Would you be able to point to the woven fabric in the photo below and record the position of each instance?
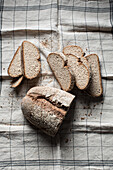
(84, 141)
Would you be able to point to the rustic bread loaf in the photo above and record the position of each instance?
(46, 107)
(56, 62)
(95, 88)
(80, 71)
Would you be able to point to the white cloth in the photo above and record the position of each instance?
(85, 139)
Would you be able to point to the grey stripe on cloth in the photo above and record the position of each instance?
(111, 13)
(55, 5)
(57, 162)
(1, 9)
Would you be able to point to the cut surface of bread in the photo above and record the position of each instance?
(73, 49)
(46, 107)
(80, 71)
(78, 52)
(16, 66)
(17, 83)
(95, 88)
(60, 71)
(31, 61)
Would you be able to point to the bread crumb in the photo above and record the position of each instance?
(82, 118)
(90, 114)
(86, 107)
(45, 43)
(10, 95)
(66, 141)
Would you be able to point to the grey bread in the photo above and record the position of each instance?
(79, 70)
(95, 88)
(78, 52)
(17, 83)
(15, 68)
(56, 62)
(31, 61)
(46, 107)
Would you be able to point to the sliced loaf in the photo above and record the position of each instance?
(46, 107)
(80, 71)
(31, 61)
(95, 88)
(78, 52)
(61, 72)
(16, 66)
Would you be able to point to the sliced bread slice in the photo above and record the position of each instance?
(17, 83)
(31, 61)
(61, 72)
(95, 88)
(46, 107)
(73, 49)
(78, 52)
(15, 68)
(80, 71)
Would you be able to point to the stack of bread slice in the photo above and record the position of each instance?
(83, 70)
(25, 63)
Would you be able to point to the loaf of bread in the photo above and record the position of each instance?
(46, 107)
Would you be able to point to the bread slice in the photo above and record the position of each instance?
(61, 72)
(31, 61)
(78, 52)
(16, 66)
(95, 88)
(17, 83)
(80, 71)
(46, 107)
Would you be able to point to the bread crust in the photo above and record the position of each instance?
(66, 67)
(12, 62)
(99, 76)
(24, 60)
(18, 82)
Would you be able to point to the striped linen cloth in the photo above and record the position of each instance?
(85, 140)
